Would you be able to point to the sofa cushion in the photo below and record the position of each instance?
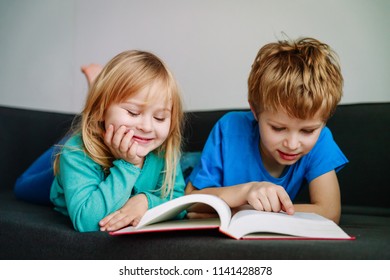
(29, 231)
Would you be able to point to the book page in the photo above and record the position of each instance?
(185, 224)
(171, 209)
(301, 224)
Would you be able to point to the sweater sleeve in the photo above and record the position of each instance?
(89, 195)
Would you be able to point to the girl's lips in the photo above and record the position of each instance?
(288, 157)
(141, 140)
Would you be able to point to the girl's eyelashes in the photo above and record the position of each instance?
(159, 119)
(133, 114)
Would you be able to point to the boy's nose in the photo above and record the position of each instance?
(291, 142)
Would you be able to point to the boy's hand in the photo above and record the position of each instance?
(201, 215)
(121, 145)
(130, 214)
(265, 196)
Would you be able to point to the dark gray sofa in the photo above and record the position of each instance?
(29, 231)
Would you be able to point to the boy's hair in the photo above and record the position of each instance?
(302, 77)
(124, 75)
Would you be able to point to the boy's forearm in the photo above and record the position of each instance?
(324, 197)
(234, 196)
(332, 213)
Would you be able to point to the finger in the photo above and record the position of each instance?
(274, 201)
(106, 219)
(286, 203)
(116, 219)
(266, 204)
(132, 153)
(198, 215)
(103, 223)
(254, 200)
(118, 136)
(125, 221)
(108, 135)
(125, 143)
(136, 221)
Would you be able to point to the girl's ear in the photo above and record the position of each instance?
(253, 112)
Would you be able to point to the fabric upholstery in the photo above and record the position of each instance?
(29, 231)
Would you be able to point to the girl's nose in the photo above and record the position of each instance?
(145, 124)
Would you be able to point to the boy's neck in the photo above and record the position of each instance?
(274, 168)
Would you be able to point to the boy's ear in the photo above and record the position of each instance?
(253, 112)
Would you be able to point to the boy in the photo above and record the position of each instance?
(264, 157)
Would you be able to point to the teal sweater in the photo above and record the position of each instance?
(83, 191)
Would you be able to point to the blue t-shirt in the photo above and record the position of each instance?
(231, 156)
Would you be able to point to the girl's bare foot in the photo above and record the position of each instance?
(91, 71)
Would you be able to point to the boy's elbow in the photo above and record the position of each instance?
(334, 215)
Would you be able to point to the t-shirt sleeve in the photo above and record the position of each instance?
(209, 170)
(325, 156)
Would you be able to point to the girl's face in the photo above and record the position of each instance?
(147, 113)
(284, 139)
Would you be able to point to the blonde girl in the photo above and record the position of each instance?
(123, 155)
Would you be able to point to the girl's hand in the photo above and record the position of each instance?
(130, 214)
(121, 145)
(265, 196)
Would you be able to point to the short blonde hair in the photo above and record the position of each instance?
(302, 77)
(124, 75)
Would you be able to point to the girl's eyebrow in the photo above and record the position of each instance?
(141, 105)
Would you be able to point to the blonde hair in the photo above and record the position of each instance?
(124, 75)
(302, 77)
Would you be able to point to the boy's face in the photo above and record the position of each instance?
(284, 139)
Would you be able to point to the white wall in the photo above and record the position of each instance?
(208, 44)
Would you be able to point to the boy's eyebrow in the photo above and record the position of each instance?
(310, 126)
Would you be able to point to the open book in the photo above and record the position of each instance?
(245, 224)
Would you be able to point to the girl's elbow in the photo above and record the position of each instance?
(85, 224)
(85, 227)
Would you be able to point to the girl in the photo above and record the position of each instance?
(123, 155)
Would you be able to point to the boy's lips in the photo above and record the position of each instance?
(287, 156)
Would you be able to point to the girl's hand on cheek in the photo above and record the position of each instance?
(121, 145)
